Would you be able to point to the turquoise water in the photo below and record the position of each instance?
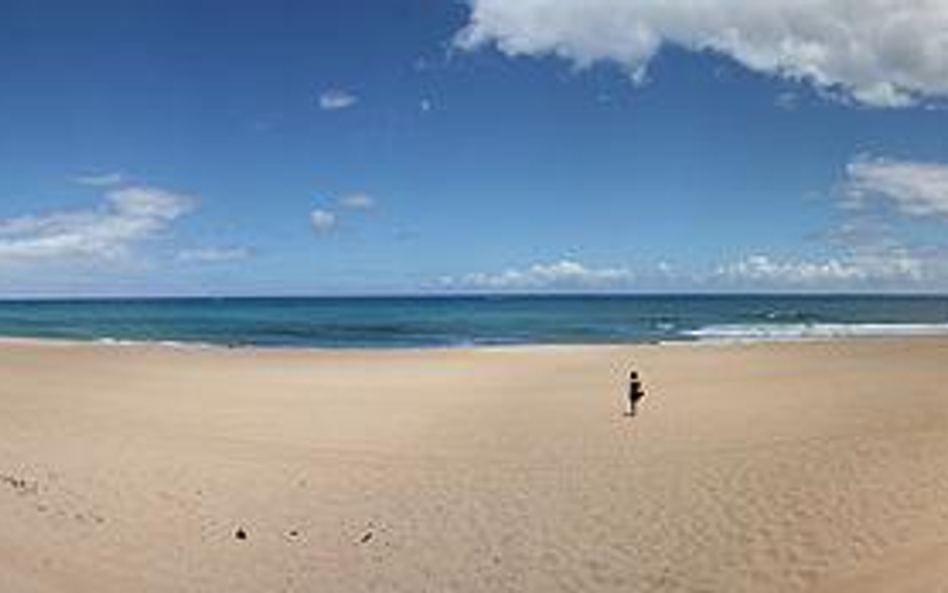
(452, 321)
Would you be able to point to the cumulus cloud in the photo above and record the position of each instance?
(100, 179)
(213, 255)
(848, 271)
(914, 188)
(883, 53)
(335, 99)
(870, 246)
(893, 267)
(126, 217)
(322, 221)
(358, 201)
(561, 275)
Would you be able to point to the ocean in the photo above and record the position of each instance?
(399, 322)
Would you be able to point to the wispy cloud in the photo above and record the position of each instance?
(357, 201)
(335, 99)
(914, 188)
(882, 53)
(213, 255)
(100, 179)
(126, 217)
(559, 275)
(787, 100)
(322, 221)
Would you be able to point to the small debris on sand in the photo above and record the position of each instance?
(240, 533)
(19, 485)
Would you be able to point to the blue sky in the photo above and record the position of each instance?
(164, 147)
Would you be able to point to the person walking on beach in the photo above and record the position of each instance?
(636, 392)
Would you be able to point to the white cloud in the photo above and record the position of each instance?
(561, 275)
(126, 217)
(358, 201)
(895, 267)
(100, 179)
(787, 100)
(870, 248)
(884, 53)
(915, 188)
(213, 255)
(335, 99)
(322, 221)
(762, 271)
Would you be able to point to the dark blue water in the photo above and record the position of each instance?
(452, 321)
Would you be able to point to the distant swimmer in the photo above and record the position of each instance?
(636, 392)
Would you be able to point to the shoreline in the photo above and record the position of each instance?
(173, 345)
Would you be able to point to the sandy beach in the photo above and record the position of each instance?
(771, 467)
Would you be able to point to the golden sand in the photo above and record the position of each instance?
(782, 467)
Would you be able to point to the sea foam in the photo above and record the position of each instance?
(804, 331)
